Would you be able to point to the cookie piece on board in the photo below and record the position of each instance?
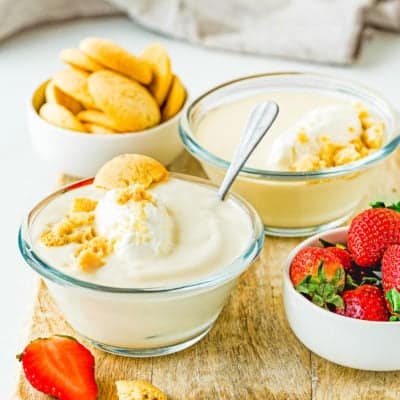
(78, 59)
(55, 95)
(60, 116)
(75, 83)
(94, 128)
(175, 100)
(124, 100)
(138, 390)
(128, 169)
(111, 55)
(158, 58)
(98, 118)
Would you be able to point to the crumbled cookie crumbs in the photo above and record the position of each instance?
(140, 226)
(77, 227)
(98, 245)
(373, 136)
(307, 163)
(346, 155)
(89, 261)
(302, 137)
(137, 193)
(332, 155)
(82, 204)
(51, 239)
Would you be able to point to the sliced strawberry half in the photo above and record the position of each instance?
(61, 367)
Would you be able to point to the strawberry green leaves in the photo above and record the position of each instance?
(393, 297)
(381, 204)
(320, 290)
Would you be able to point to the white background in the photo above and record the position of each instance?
(31, 57)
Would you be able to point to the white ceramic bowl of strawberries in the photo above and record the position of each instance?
(365, 336)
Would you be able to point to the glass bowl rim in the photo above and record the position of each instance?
(227, 273)
(204, 155)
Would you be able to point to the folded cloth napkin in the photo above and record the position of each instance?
(316, 30)
(385, 14)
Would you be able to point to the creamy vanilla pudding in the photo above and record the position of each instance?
(141, 262)
(313, 131)
(310, 171)
(192, 234)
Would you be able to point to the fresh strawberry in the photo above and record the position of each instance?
(391, 277)
(371, 233)
(355, 276)
(365, 302)
(340, 251)
(60, 367)
(343, 255)
(318, 274)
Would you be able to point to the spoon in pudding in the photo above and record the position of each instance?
(260, 120)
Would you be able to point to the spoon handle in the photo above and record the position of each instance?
(260, 120)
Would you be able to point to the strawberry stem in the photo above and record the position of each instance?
(381, 204)
(351, 282)
(322, 291)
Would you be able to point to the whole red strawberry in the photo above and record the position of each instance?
(307, 261)
(60, 367)
(370, 234)
(319, 274)
(391, 277)
(343, 255)
(365, 302)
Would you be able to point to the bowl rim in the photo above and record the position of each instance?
(203, 155)
(107, 136)
(225, 274)
(313, 308)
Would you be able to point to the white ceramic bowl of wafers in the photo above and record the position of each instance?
(81, 154)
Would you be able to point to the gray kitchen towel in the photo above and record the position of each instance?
(317, 30)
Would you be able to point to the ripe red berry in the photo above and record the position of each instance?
(60, 367)
(343, 255)
(371, 233)
(307, 261)
(391, 277)
(365, 302)
(318, 274)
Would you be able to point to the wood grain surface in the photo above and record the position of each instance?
(251, 352)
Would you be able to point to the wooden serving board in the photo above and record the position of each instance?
(251, 352)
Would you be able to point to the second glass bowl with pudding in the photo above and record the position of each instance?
(315, 165)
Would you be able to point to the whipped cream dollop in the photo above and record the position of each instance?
(326, 137)
(137, 222)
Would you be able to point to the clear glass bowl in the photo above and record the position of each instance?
(141, 322)
(294, 203)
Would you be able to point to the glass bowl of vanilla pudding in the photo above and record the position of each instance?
(141, 263)
(313, 167)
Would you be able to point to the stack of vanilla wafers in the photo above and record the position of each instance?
(106, 89)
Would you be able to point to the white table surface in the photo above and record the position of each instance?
(31, 57)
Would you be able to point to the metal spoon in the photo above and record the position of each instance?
(260, 120)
